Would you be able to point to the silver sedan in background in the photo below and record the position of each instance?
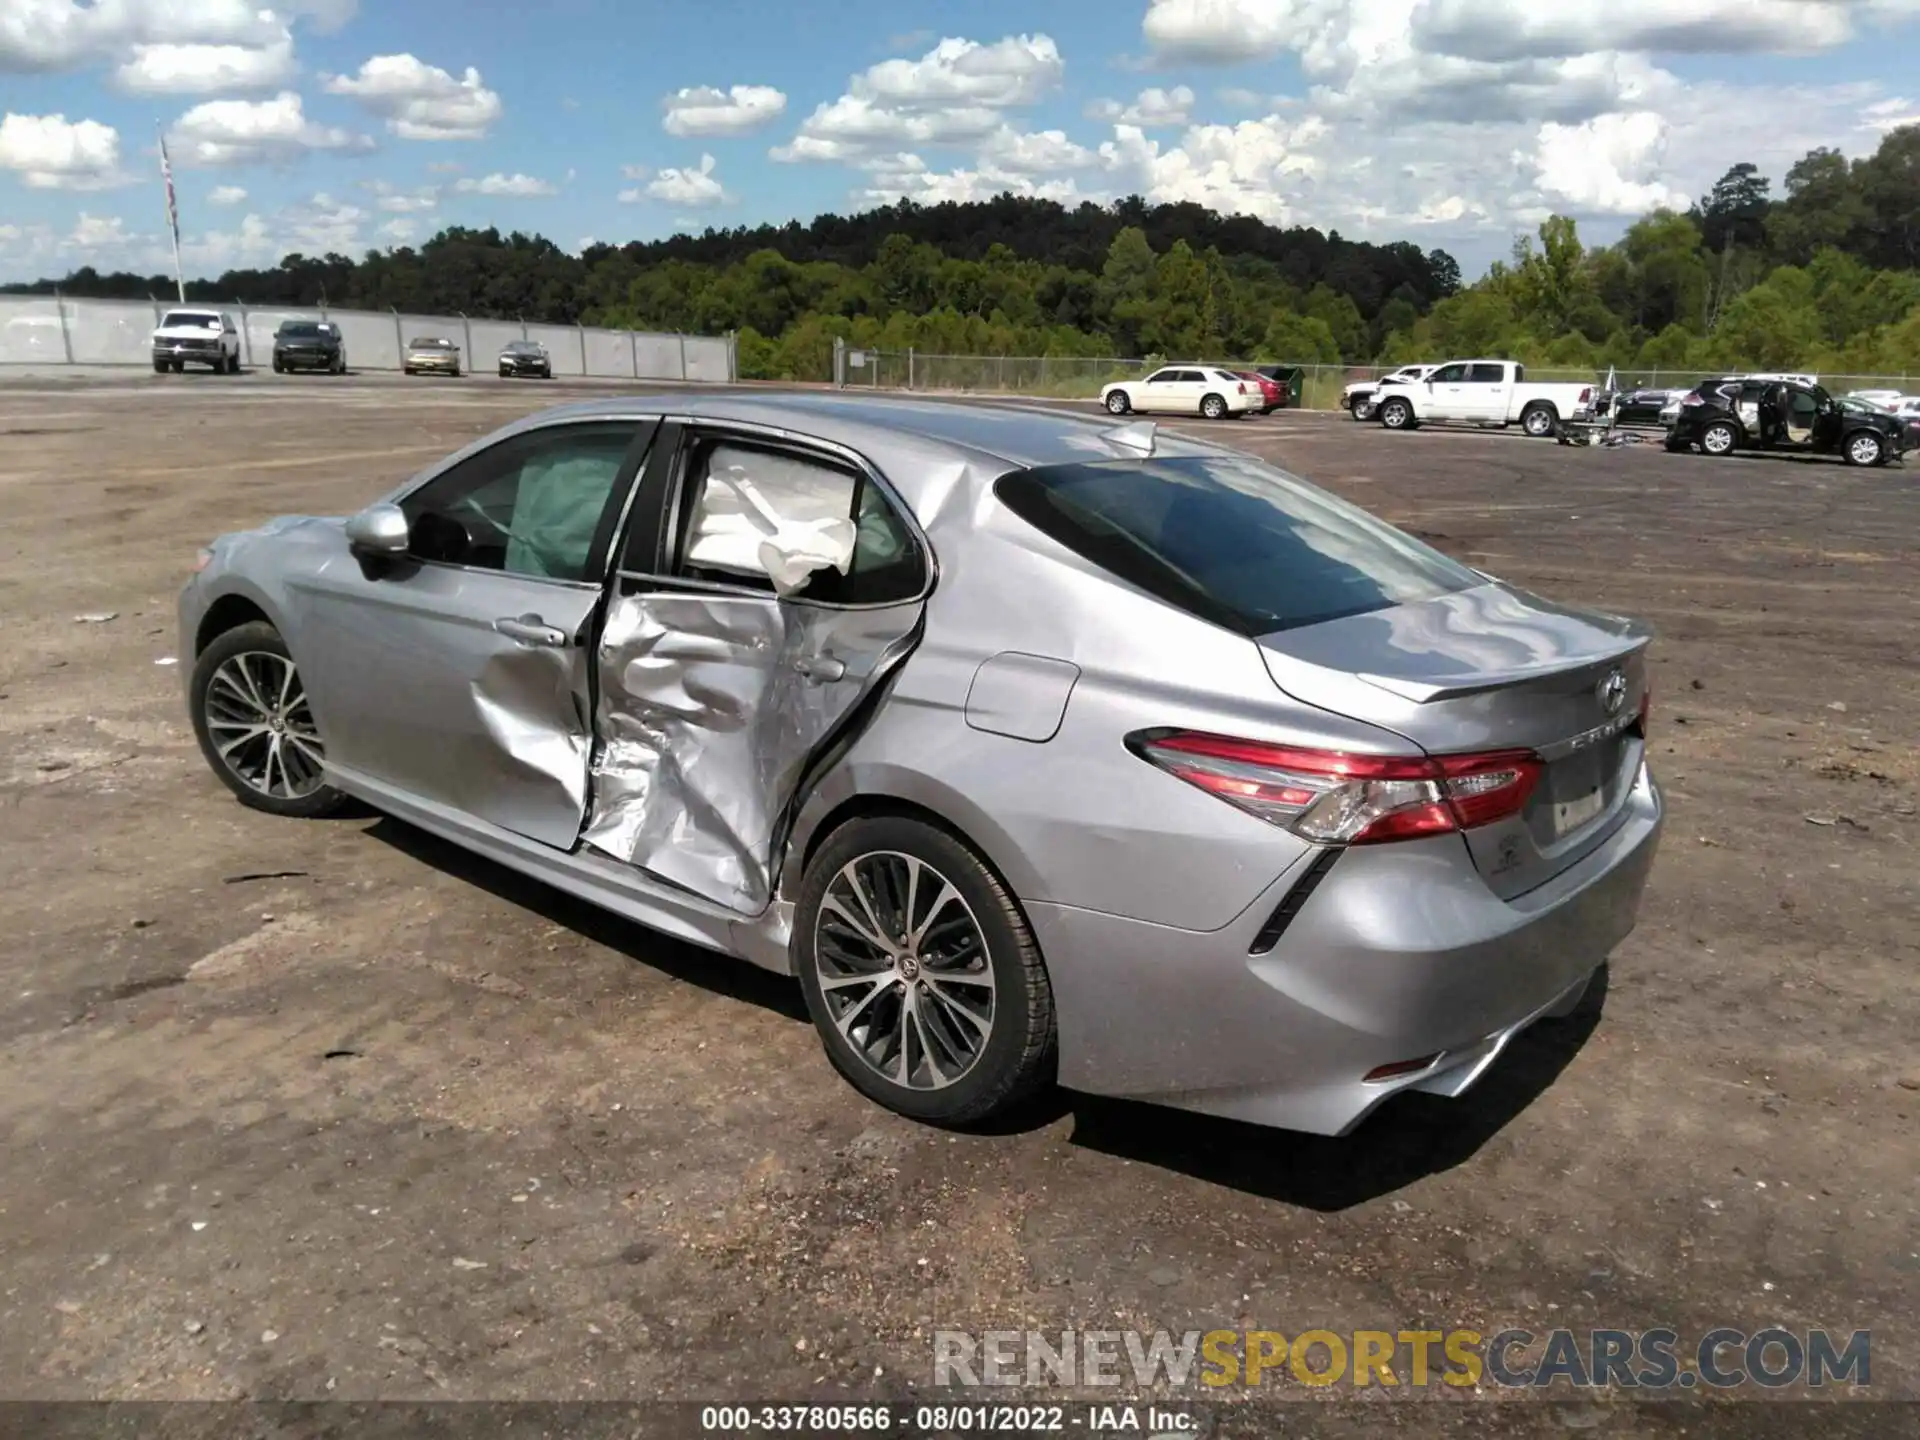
(1034, 746)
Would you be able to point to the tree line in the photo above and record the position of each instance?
(1821, 276)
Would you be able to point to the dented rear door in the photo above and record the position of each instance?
(719, 688)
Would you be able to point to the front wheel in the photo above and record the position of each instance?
(255, 727)
(1362, 407)
(1538, 421)
(1118, 404)
(1214, 407)
(921, 974)
(1866, 448)
(1397, 414)
(1719, 439)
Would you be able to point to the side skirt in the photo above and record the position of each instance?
(625, 891)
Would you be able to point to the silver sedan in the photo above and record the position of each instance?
(1034, 746)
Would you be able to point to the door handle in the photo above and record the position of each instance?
(822, 669)
(531, 630)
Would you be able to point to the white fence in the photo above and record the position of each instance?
(43, 330)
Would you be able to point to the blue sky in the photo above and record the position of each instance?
(331, 124)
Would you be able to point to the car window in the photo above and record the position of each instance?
(1451, 374)
(538, 504)
(1163, 377)
(723, 536)
(1487, 374)
(1230, 540)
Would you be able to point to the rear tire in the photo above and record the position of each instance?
(973, 969)
(1538, 420)
(1118, 404)
(1397, 414)
(255, 654)
(1214, 407)
(159, 367)
(1361, 407)
(1719, 439)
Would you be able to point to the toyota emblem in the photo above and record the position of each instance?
(1612, 692)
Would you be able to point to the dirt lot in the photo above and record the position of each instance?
(330, 1110)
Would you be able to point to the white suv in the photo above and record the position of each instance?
(196, 337)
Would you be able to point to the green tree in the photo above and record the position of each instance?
(1300, 340)
(1342, 319)
(1823, 208)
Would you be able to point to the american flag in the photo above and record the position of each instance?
(166, 173)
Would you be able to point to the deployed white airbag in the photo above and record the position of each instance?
(737, 528)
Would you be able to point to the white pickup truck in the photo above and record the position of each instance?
(196, 337)
(1358, 398)
(1482, 392)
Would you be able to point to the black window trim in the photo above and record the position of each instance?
(689, 432)
(599, 560)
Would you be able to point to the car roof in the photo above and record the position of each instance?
(881, 427)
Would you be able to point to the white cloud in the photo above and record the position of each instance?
(421, 101)
(97, 232)
(517, 185)
(738, 110)
(207, 69)
(395, 201)
(955, 94)
(636, 172)
(1152, 109)
(246, 132)
(1606, 166)
(1223, 31)
(695, 187)
(48, 153)
(398, 231)
(1523, 29)
(1244, 169)
(892, 178)
(226, 195)
(1036, 152)
(164, 46)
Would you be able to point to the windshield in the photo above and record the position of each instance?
(523, 347)
(189, 318)
(433, 345)
(1231, 540)
(301, 330)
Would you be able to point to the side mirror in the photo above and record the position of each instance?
(379, 530)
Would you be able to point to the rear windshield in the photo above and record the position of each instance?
(189, 317)
(1230, 540)
(433, 345)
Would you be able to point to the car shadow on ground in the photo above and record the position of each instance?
(1408, 1138)
(721, 974)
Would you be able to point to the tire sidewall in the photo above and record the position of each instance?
(980, 1091)
(1388, 410)
(1879, 449)
(1118, 404)
(1214, 408)
(1537, 421)
(1719, 428)
(253, 637)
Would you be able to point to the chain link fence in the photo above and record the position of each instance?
(52, 330)
(1074, 377)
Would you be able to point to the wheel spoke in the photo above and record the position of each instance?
(903, 970)
(272, 746)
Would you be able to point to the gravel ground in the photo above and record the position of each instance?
(331, 1110)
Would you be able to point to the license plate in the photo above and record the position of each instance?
(1570, 815)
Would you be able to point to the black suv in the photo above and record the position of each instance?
(1736, 413)
(309, 345)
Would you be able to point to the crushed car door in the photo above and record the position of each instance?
(781, 585)
(458, 675)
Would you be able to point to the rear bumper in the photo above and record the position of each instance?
(1399, 952)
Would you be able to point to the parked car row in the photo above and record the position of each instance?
(1217, 392)
(195, 336)
(1477, 392)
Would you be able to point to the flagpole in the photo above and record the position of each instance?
(173, 215)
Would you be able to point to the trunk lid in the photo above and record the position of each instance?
(1493, 668)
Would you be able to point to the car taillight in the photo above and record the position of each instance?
(1243, 387)
(1586, 395)
(1692, 400)
(202, 558)
(1334, 798)
(1646, 708)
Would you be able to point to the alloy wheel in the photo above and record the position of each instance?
(904, 971)
(261, 726)
(1864, 450)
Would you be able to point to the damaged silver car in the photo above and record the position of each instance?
(1033, 746)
